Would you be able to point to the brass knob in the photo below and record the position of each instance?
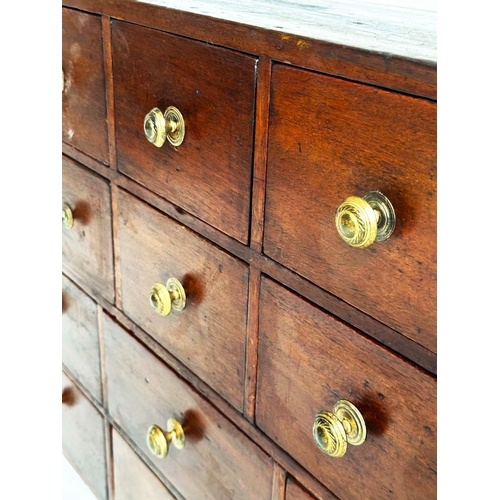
(159, 441)
(159, 126)
(164, 298)
(67, 216)
(333, 430)
(361, 221)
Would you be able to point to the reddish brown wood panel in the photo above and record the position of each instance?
(330, 139)
(399, 73)
(295, 492)
(209, 335)
(84, 124)
(218, 461)
(209, 174)
(307, 362)
(86, 247)
(133, 479)
(83, 438)
(80, 337)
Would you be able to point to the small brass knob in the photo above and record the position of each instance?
(159, 441)
(361, 221)
(164, 298)
(159, 126)
(67, 216)
(333, 430)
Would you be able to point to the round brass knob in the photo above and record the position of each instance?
(333, 430)
(164, 298)
(361, 221)
(67, 216)
(159, 441)
(160, 126)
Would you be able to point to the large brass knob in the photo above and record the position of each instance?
(160, 126)
(361, 221)
(333, 430)
(159, 440)
(67, 216)
(164, 298)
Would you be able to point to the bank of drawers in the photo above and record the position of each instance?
(328, 139)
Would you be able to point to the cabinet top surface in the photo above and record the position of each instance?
(397, 30)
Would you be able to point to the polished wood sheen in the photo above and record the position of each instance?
(80, 337)
(83, 438)
(84, 123)
(86, 248)
(307, 362)
(209, 174)
(218, 461)
(330, 139)
(133, 479)
(295, 492)
(208, 336)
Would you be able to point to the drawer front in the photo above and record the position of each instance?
(208, 336)
(80, 338)
(295, 492)
(133, 480)
(328, 140)
(83, 438)
(209, 174)
(86, 246)
(307, 362)
(218, 462)
(84, 123)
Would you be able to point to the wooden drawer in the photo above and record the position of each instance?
(133, 479)
(84, 123)
(307, 362)
(295, 492)
(208, 336)
(83, 438)
(218, 462)
(330, 139)
(86, 247)
(80, 338)
(209, 174)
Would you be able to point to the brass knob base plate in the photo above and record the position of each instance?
(175, 288)
(174, 118)
(353, 422)
(387, 216)
(177, 432)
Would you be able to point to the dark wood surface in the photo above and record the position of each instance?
(208, 336)
(84, 123)
(80, 337)
(209, 174)
(330, 139)
(395, 72)
(83, 437)
(133, 479)
(295, 492)
(217, 462)
(86, 247)
(307, 362)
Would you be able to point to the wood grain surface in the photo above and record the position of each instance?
(295, 492)
(209, 335)
(209, 174)
(84, 124)
(86, 247)
(80, 337)
(402, 73)
(218, 461)
(307, 362)
(330, 139)
(83, 438)
(133, 479)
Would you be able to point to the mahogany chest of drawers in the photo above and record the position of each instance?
(249, 252)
